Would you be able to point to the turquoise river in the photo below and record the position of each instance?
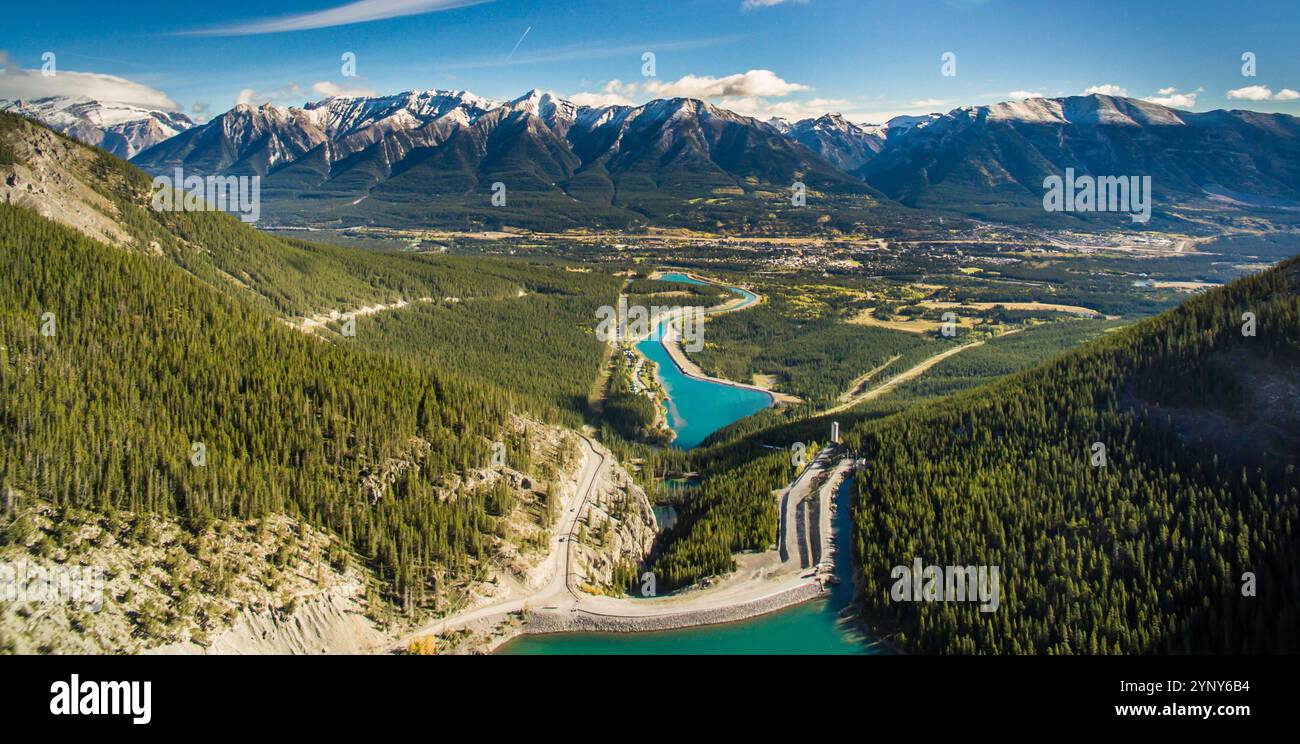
(696, 409)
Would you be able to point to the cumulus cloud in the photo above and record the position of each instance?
(289, 94)
(760, 83)
(794, 110)
(1172, 98)
(17, 82)
(1251, 93)
(757, 93)
(1262, 93)
(1022, 94)
(360, 11)
(1106, 89)
(334, 90)
(746, 95)
(612, 93)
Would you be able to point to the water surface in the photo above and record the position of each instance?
(810, 628)
(699, 408)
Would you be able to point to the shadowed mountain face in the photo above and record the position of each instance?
(847, 145)
(990, 158)
(431, 155)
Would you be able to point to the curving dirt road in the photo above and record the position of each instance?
(764, 581)
(557, 564)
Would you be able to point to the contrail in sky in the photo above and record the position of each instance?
(517, 43)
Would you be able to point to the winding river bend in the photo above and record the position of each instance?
(696, 409)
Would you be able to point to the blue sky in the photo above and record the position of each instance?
(868, 59)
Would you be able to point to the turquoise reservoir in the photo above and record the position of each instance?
(810, 628)
(699, 408)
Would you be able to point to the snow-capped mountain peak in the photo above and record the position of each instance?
(557, 113)
(120, 128)
(847, 145)
(342, 116)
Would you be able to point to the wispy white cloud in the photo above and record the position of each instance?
(17, 82)
(578, 52)
(360, 11)
(748, 5)
(1018, 95)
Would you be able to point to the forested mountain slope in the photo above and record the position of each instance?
(144, 362)
(107, 198)
(454, 301)
(1147, 553)
(151, 373)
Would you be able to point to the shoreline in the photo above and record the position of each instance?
(793, 587)
(692, 370)
(556, 622)
(762, 583)
(687, 367)
(549, 622)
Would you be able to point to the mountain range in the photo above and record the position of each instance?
(989, 158)
(172, 325)
(426, 155)
(432, 157)
(121, 128)
(846, 145)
